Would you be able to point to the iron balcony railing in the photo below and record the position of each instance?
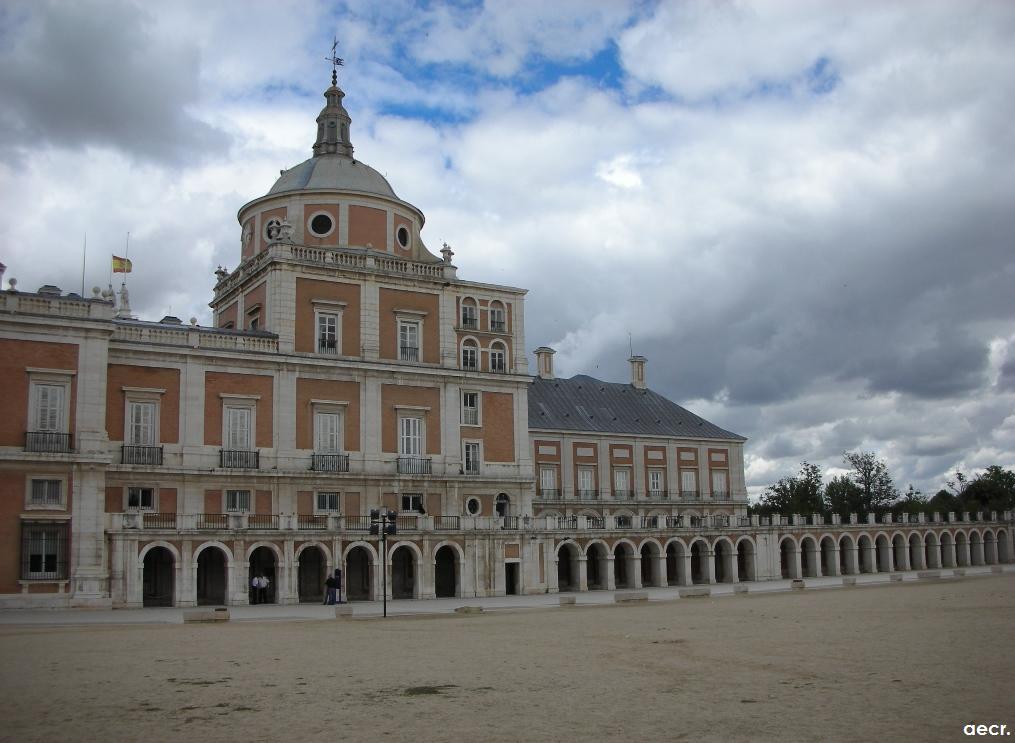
(147, 455)
(567, 522)
(470, 363)
(47, 441)
(471, 468)
(356, 523)
(510, 522)
(415, 466)
(213, 521)
(408, 353)
(623, 522)
(623, 494)
(650, 522)
(596, 522)
(550, 492)
(657, 494)
(588, 494)
(158, 520)
(498, 367)
(470, 416)
(308, 521)
(692, 495)
(407, 523)
(327, 346)
(240, 459)
(329, 463)
(497, 326)
(720, 495)
(262, 520)
(446, 522)
(470, 323)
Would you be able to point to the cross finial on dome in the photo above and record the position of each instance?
(335, 60)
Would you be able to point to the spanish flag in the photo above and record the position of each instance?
(120, 265)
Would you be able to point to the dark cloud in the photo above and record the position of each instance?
(84, 74)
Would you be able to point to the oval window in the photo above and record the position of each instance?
(402, 234)
(321, 224)
(472, 506)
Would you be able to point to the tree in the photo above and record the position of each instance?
(944, 502)
(992, 490)
(800, 494)
(872, 477)
(843, 496)
(913, 501)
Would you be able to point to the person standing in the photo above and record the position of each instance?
(329, 595)
(264, 589)
(255, 587)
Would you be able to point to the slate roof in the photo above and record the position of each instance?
(584, 403)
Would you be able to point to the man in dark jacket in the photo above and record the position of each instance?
(329, 596)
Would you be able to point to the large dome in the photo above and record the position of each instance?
(333, 173)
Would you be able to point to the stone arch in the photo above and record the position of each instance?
(449, 564)
(404, 564)
(360, 561)
(700, 567)
(568, 555)
(916, 551)
(847, 555)
(723, 559)
(624, 567)
(213, 562)
(883, 547)
(900, 548)
(866, 559)
(810, 557)
(961, 549)
(829, 560)
(653, 572)
(947, 550)
(597, 566)
(931, 551)
(313, 565)
(788, 557)
(975, 547)
(159, 570)
(265, 559)
(676, 571)
(746, 553)
(1003, 548)
(989, 547)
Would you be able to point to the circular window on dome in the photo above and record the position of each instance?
(321, 224)
(472, 506)
(402, 235)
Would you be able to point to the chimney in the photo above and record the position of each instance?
(638, 371)
(544, 362)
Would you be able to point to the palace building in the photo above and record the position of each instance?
(349, 368)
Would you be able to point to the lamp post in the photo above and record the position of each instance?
(383, 523)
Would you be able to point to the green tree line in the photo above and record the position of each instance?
(869, 488)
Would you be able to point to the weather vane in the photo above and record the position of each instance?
(336, 62)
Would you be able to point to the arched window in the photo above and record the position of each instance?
(498, 357)
(470, 315)
(470, 354)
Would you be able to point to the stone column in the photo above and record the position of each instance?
(796, 564)
(684, 576)
(659, 570)
(583, 573)
(734, 567)
(611, 579)
(851, 560)
(710, 565)
(836, 570)
(634, 570)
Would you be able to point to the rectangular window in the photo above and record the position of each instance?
(327, 432)
(471, 458)
(586, 482)
(497, 319)
(655, 481)
(410, 437)
(238, 428)
(141, 499)
(470, 357)
(327, 333)
(498, 361)
(141, 422)
(622, 480)
(408, 340)
(327, 502)
(688, 481)
(46, 493)
(237, 500)
(470, 408)
(43, 551)
(412, 502)
(469, 317)
(720, 482)
(49, 407)
(548, 479)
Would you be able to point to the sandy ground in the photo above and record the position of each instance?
(915, 661)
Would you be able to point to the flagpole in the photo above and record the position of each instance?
(126, 258)
(84, 254)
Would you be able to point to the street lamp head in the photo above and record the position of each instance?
(375, 513)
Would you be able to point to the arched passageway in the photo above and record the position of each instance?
(865, 557)
(623, 572)
(847, 556)
(596, 566)
(313, 571)
(211, 577)
(358, 574)
(915, 552)
(675, 564)
(931, 552)
(567, 568)
(884, 553)
(810, 560)
(975, 549)
(651, 574)
(947, 550)
(1003, 555)
(158, 577)
(901, 550)
(699, 562)
(723, 556)
(787, 558)
(989, 549)
(262, 565)
(446, 572)
(961, 550)
(829, 560)
(403, 573)
(745, 560)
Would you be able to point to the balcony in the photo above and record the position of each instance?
(239, 459)
(497, 366)
(408, 353)
(447, 522)
(690, 495)
(497, 326)
(623, 494)
(415, 466)
(145, 455)
(212, 521)
(469, 363)
(720, 495)
(657, 494)
(588, 495)
(158, 520)
(470, 323)
(262, 521)
(471, 468)
(356, 523)
(595, 522)
(327, 346)
(329, 462)
(311, 521)
(47, 441)
(550, 493)
(470, 417)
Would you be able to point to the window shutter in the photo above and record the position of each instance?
(49, 411)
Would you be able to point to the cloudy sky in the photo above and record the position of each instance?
(802, 213)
